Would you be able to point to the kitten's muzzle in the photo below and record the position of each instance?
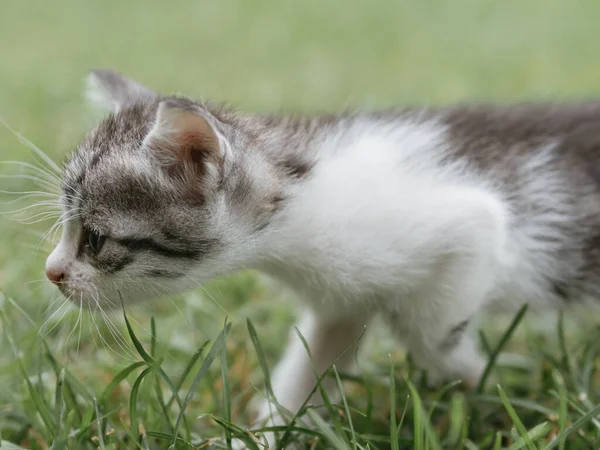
(57, 265)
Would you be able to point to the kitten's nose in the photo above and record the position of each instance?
(56, 276)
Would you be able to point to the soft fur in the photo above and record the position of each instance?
(428, 217)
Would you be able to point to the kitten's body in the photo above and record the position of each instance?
(428, 217)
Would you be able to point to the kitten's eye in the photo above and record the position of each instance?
(95, 242)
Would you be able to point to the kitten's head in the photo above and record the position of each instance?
(153, 198)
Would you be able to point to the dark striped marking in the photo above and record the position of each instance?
(161, 273)
(148, 244)
(454, 335)
(116, 265)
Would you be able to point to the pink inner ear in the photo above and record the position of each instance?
(198, 146)
(186, 138)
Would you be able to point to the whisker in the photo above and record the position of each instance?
(40, 280)
(129, 353)
(16, 218)
(60, 296)
(32, 146)
(116, 334)
(56, 226)
(119, 339)
(66, 302)
(39, 167)
(74, 328)
(30, 196)
(49, 176)
(40, 204)
(80, 325)
(212, 298)
(185, 319)
(102, 340)
(53, 188)
(30, 221)
(45, 193)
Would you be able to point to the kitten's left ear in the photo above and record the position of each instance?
(186, 143)
(111, 90)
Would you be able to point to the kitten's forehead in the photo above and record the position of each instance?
(109, 170)
(121, 132)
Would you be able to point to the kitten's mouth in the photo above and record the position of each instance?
(73, 295)
(78, 298)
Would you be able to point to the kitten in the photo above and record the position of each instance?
(427, 217)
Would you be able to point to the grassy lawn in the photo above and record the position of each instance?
(79, 382)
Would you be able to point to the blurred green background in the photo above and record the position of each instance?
(308, 55)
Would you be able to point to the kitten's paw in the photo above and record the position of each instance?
(260, 441)
(237, 444)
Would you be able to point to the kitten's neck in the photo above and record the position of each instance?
(274, 158)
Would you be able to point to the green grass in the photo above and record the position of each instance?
(185, 379)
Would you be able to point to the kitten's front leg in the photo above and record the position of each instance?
(330, 341)
(435, 321)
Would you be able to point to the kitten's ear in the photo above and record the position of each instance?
(111, 90)
(186, 143)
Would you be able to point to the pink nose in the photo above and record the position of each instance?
(56, 276)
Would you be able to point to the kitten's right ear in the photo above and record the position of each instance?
(111, 90)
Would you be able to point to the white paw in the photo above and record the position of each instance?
(262, 441)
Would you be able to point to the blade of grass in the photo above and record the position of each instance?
(161, 402)
(403, 416)
(498, 441)
(418, 433)
(136, 343)
(438, 396)
(264, 368)
(294, 429)
(70, 384)
(422, 426)
(152, 337)
(579, 423)
(261, 357)
(210, 357)
(236, 431)
(286, 435)
(346, 408)
(42, 407)
(187, 370)
(563, 412)
(133, 400)
(457, 419)
(149, 360)
(503, 341)
(225, 383)
(328, 405)
(168, 437)
(58, 401)
(99, 425)
(393, 428)
(157, 390)
(327, 432)
(117, 379)
(575, 404)
(534, 434)
(516, 419)
(521, 403)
